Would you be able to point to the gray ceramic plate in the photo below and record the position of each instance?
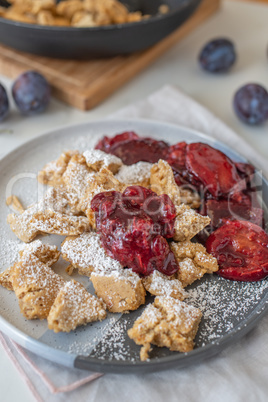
(230, 309)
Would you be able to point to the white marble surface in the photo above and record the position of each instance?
(245, 23)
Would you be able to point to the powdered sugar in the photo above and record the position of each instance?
(8, 251)
(58, 200)
(182, 314)
(188, 267)
(94, 156)
(54, 167)
(77, 175)
(33, 269)
(77, 299)
(189, 271)
(86, 250)
(126, 275)
(37, 247)
(134, 173)
(54, 222)
(151, 316)
(224, 304)
(114, 345)
(159, 284)
(91, 335)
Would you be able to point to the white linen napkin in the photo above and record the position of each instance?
(239, 373)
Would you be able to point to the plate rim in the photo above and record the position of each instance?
(90, 363)
(147, 121)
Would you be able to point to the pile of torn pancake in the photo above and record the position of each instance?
(73, 180)
(74, 13)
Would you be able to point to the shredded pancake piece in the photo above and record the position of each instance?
(188, 223)
(86, 253)
(103, 181)
(75, 13)
(159, 284)
(35, 284)
(121, 289)
(163, 182)
(33, 222)
(167, 323)
(55, 214)
(97, 159)
(5, 279)
(85, 182)
(73, 307)
(52, 172)
(79, 180)
(60, 200)
(136, 174)
(193, 260)
(45, 253)
(14, 203)
(76, 174)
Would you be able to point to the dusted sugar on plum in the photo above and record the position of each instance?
(134, 226)
(241, 249)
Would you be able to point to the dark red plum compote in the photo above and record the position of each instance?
(134, 227)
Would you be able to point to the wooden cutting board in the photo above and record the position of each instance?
(84, 84)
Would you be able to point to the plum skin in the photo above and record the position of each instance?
(4, 103)
(217, 56)
(31, 92)
(251, 104)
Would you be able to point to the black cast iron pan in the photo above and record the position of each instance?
(111, 40)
